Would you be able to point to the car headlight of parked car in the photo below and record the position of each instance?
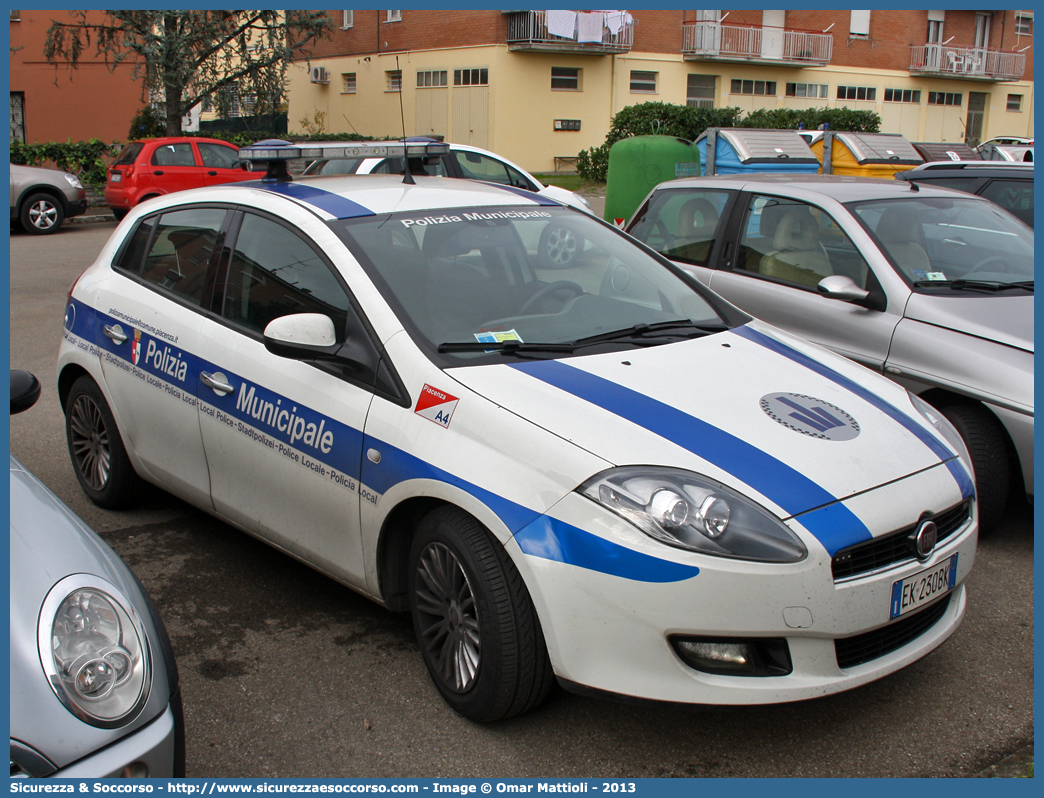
(944, 428)
(693, 512)
(94, 651)
(73, 181)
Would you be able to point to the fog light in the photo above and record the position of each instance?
(735, 656)
(738, 657)
(135, 770)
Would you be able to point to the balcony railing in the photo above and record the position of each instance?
(968, 63)
(712, 40)
(527, 30)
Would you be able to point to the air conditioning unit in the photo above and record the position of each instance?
(320, 75)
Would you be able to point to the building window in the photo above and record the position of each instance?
(944, 98)
(394, 80)
(859, 23)
(902, 96)
(16, 16)
(347, 19)
(1023, 23)
(1014, 102)
(807, 89)
(753, 87)
(470, 77)
(347, 83)
(432, 77)
(394, 16)
(643, 82)
(565, 78)
(856, 93)
(700, 92)
(18, 116)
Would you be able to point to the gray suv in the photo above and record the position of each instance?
(41, 199)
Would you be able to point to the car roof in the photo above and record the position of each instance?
(349, 196)
(843, 188)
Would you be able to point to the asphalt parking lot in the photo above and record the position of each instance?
(286, 673)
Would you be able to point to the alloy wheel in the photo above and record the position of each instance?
(89, 440)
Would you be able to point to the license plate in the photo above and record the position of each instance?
(921, 588)
(115, 177)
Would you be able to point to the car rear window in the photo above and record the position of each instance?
(128, 154)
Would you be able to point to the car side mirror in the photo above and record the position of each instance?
(25, 390)
(302, 336)
(840, 286)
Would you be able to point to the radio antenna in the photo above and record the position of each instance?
(407, 178)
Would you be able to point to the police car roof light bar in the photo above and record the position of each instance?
(276, 152)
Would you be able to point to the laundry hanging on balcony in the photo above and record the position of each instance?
(562, 23)
(589, 26)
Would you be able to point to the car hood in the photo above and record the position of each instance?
(566, 197)
(48, 542)
(1004, 318)
(729, 406)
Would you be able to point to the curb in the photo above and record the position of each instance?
(1015, 766)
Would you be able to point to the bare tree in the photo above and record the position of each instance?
(186, 56)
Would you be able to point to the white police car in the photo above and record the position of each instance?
(604, 474)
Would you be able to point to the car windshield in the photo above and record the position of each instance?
(939, 244)
(482, 283)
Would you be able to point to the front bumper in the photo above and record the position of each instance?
(612, 635)
(155, 746)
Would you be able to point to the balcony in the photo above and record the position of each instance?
(712, 41)
(527, 30)
(966, 63)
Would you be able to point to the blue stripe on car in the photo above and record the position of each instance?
(333, 204)
(271, 414)
(953, 463)
(776, 480)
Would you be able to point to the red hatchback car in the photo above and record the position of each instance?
(153, 167)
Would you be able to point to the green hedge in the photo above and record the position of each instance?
(666, 119)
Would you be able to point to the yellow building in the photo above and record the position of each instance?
(514, 82)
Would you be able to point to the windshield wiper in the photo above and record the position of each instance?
(507, 347)
(638, 332)
(974, 285)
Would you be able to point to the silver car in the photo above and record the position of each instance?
(94, 685)
(41, 199)
(930, 286)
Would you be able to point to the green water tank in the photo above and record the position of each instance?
(639, 164)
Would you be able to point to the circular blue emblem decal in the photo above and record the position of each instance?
(810, 416)
(70, 316)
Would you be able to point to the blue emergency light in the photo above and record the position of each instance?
(276, 152)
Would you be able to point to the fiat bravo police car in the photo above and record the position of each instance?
(603, 475)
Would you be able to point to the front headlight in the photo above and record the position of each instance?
(94, 651)
(943, 426)
(73, 181)
(693, 512)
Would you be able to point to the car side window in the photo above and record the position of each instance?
(174, 155)
(682, 225)
(429, 167)
(798, 243)
(1015, 196)
(274, 272)
(181, 250)
(218, 156)
(960, 183)
(130, 257)
(479, 167)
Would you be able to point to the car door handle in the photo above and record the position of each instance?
(158, 172)
(216, 382)
(212, 173)
(116, 335)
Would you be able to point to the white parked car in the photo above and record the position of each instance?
(605, 475)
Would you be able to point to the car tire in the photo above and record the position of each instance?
(98, 456)
(41, 214)
(119, 213)
(984, 436)
(559, 246)
(475, 622)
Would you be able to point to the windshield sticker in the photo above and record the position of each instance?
(424, 221)
(488, 337)
(436, 405)
(936, 276)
